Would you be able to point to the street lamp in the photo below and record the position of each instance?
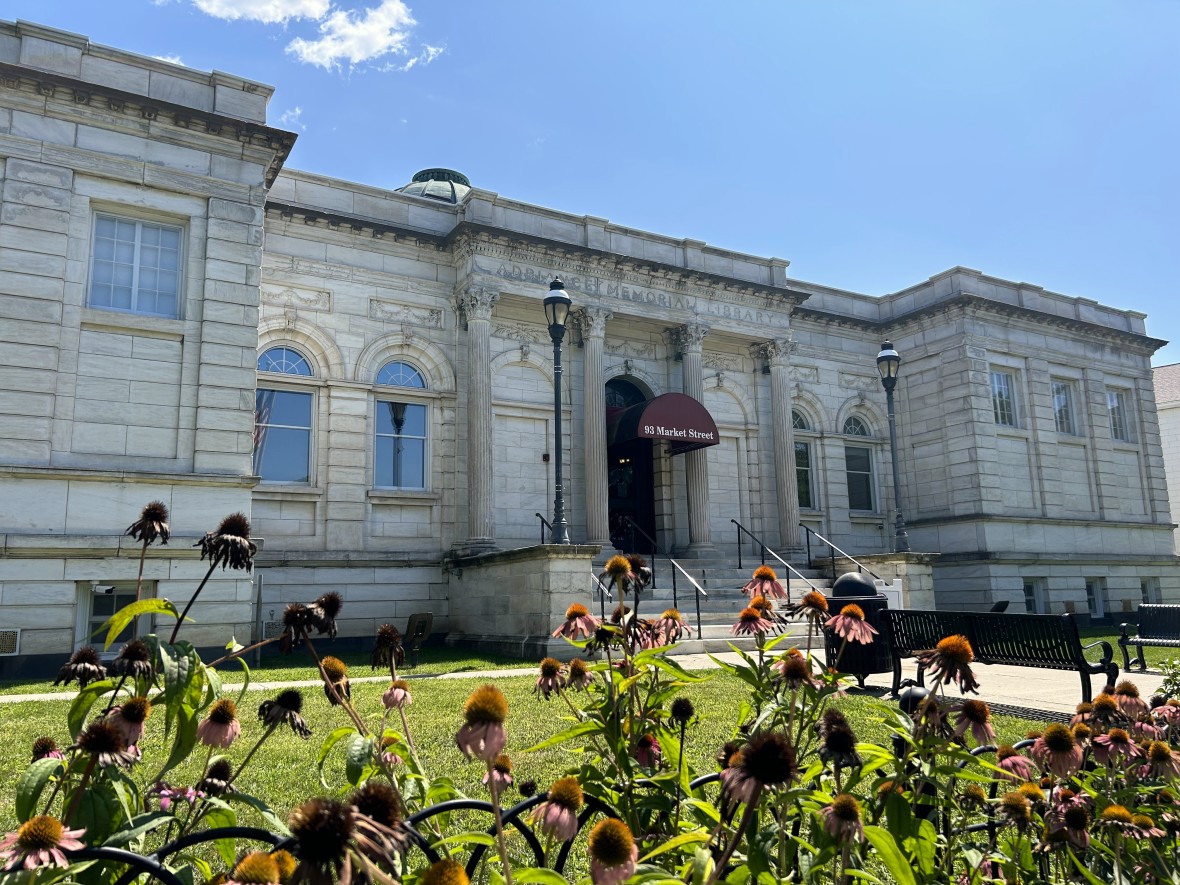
(888, 361)
(557, 311)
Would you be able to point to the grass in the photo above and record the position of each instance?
(1153, 655)
(284, 771)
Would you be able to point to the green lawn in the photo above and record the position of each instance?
(284, 772)
(1153, 656)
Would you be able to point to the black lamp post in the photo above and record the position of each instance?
(557, 311)
(888, 361)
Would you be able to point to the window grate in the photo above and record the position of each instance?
(9, 642)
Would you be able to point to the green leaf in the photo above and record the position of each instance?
(80, 707)
(31, 783)
(1081, 868)
(273, 822)
(330, 741)
(896, 862)
(589, 726)
(538, 876)
(924, 846)
(183, 741)
(217, 815)
(702, 866)
(358, 758)
(138, 826)
(117, 622)
(691, 838)
(98, 811)
(470, 838)
(245, 680)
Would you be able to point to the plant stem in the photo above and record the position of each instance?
(192, 599)
(241, 651)
(77, 797)
(500, 843)
(139, 579)
(731, 846)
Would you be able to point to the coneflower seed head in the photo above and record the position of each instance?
(846, 807)
(223, 712)
(566, 792)
(1059, 738)
(550, 667)
(486, 704)
(611, 842)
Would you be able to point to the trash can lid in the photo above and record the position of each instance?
(853, 584)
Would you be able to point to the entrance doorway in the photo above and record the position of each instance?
(630, 477)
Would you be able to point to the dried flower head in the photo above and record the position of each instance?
(682, 710)
(1016, 808)
(217, 778)
(842, 819)
(974, 794)
(229, 545)
(104, 741)
(83, 665)
(285, 708)
(152, 524)
(389, 650)
(322, 829)
(769, 758)
(379, 802)
(133, 661)
(617, 567)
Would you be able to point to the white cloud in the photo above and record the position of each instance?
(171, 59)
(426, 56)
(291, 119)
(354, 37)
(267, 11)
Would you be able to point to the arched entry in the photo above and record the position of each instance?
(630, 475)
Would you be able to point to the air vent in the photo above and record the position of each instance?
(9, 642)
(271, 629)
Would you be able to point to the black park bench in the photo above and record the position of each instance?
(1018, 640)
(1159, 625)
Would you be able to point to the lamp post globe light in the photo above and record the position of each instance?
(557, 311)
(888, 362)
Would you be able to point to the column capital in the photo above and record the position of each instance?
(477, 302)
(689, 338)
(591, 321)
(777, 351)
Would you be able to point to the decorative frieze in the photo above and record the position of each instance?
(296, 297)
(637, 349)
(392, 311)
(519, 332)
(863, 383)
(805, 374)
(726, 362)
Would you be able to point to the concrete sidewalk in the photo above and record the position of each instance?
(1023, 688)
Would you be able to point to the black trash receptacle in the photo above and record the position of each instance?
(857, 659)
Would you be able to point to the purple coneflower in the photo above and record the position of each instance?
(1015, 808)
(750, 621)
(39, 842)
(682, 711)
(323, 611)
(397, 696)
(578, 623)
(285, 708)
(229, 545)
(332, 838)
(152, 524)
(1105, 708)
(578, 676)
(842, 820)
(221, 727)
(1168, 711)
(975, 716)
(500, 773)
(1145, 729)
(765, 608)
(1071, 818)
(671, 626)
(1084, 712)
(613, 852)
(129, 717)
(389, 649)
(256, 868)
(444, 872)
(765, 583)
(1057, 751)
(813, 606)
(850, 625)
(1162, 762)
(168, 795)
(950, 662)
(216, 781)
(550, 680)
(647, 751)
(336, 688)
(837, 741)
(389, 755)
(46, 748)
(482, 734)
(1126, 695)
(794, 669)
(768, 759)
(134, 660)
(104, 741)
(1114, 746)
(83, 665)
(1016, 766)
(557, 816)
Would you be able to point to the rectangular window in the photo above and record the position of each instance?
(1034, 596)
(1149, 591)
(1120, 424)
(1096, 597)
(858, 466)
(803, 475)
(282, 435)
(98, 600)
(1004, 398)
(135, 266)
(1063, 413)
(400, 454)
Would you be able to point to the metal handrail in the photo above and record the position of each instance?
(741, 528)
(603, 595)
(859, 566)
(545, 524)
(655, 548)
(677, 567)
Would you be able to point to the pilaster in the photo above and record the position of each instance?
(777, 354)
(477, 304)
(592, 325)
(690, 339)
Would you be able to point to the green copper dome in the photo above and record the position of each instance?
(445, 185)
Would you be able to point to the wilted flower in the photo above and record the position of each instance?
(379, 802)
(129, 717)
(133, 661)
(765, 583)
(975, 716)
(285, 708)
(750, 622)
(152, 524)
(557, 816)
(578, 622)
(578, 676)
(482, 734)
(613, 852)
(606, 636)
(973, 794)
(39, 842)
(671, 626)
(837, 741)
(1071, 818)
(550, 680)
(500, 772)
(1015, 808)
(850, 625)
(527, 788)
(1113, 746)
(324, 830)
(388, 649)
(768, 759)
(842, 819)
(221, 727)
(1082, 733)
(950, 662)
(397, 696)
(46, 748)
(105, 742)
(682, 710)
(794, 669)
(1105, 708)
(256, 868)
(336, 686)
(1057, 751)
(83, 665)
(217, 779)
(647, 751)
(1126, 695)
(813, 606)
(629, 573)
(229, 545)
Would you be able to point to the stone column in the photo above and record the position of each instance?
(477, 304)
(592, 323)
(690, 339)
(777, 353)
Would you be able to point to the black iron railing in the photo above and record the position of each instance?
(763, 550)
(545, 524)
(655, 548)
(860, 567)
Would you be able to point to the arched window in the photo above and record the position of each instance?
(854, 425)
(282, 420)
(399, 450)
(799, 420)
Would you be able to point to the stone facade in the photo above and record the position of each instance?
(404, 413)
(1167, 391)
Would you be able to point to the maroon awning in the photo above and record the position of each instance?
(676, 418)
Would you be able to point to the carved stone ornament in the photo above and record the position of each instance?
(392, 311)
(477, 302)
(726, 362)
(291, 296)
(805, 373)
(518, 332)
(644, 351)
(862, 383)
(690, 337)
(591, 321)
(777, 351)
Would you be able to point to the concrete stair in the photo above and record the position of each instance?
(722, 580)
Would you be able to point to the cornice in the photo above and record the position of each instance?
(50, 85)
(357, 225)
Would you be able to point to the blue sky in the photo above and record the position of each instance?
(871, 143)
